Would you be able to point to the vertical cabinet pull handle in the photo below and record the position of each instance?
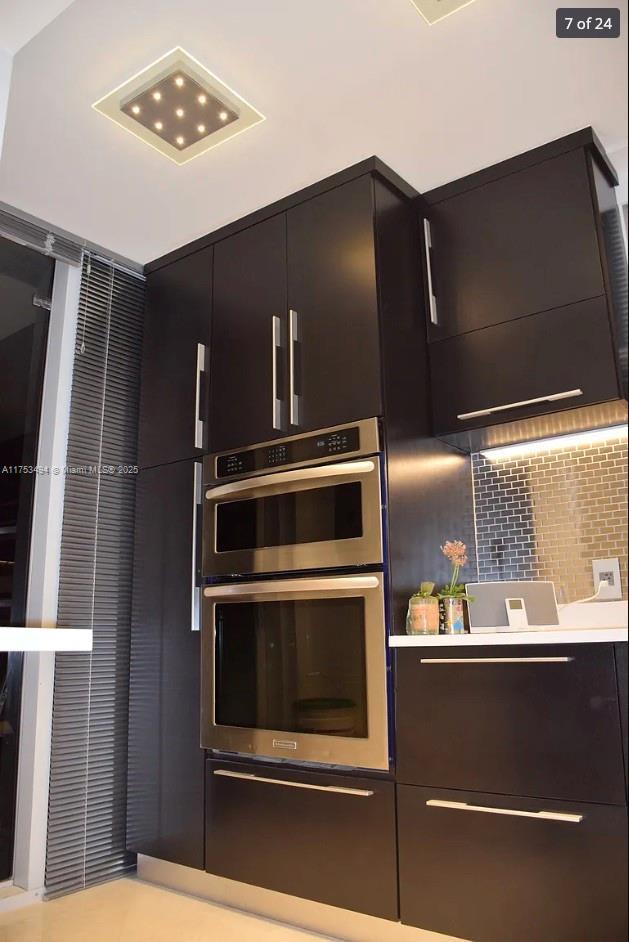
(195, 598)
(276, 346)
(432, 301)
(293, 339)
(198, 421)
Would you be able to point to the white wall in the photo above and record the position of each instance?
(6, 61)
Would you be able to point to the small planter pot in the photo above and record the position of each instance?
(423, 616)
(452, 620)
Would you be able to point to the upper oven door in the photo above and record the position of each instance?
(320, 517)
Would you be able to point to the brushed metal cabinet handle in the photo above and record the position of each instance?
(293, 338)
(334, 789)
(291, 586)
(511, 812)
(344, 469)
(276, 346)
(432, 301)
(195, 612)
(551, 397)
(198, 421)
(495, 660)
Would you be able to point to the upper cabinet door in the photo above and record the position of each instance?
(333, 338)
(247, 386)
(518, 245)
(174, 361)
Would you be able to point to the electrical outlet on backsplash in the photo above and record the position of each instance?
(546, 510)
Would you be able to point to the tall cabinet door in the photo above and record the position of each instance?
(165, 787)
(174, 360)
(334, 363)
(247, 398)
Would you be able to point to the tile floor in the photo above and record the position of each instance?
(129, 911)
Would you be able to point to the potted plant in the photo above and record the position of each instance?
(452, 597)
(423, 611)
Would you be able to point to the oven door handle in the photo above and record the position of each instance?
(345, 469)
(290, 586)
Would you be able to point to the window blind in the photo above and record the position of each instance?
(87, 804)
(39, 238)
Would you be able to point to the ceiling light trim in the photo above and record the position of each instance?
(111, 104)
(435, 10)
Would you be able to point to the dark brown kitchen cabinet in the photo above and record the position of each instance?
(539, 721)
(546, 363)
(528, 312)
(165, 770)
(521, 243)
(316, 835)
(174, 361)
(489, 868)
(248, 383)
(333, 308)
(295, 337)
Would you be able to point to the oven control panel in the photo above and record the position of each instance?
(295, 451)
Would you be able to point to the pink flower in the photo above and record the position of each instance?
(455, 551)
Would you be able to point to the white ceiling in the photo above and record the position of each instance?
(20, 20)
(338, 80)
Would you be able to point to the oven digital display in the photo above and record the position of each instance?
(301, 449)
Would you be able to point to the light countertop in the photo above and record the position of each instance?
(552, 635)
(45, 639)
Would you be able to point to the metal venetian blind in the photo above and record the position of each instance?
(87, 805)
(39, 238)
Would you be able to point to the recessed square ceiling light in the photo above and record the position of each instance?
(178, 107)
(434, 10)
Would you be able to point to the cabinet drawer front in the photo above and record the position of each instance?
(489, 868)
(540, 721)
(517, 370)
(324, 837)
(508, 249)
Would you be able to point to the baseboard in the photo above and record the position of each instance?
(328, 921)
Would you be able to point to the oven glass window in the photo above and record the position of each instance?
(296, 666)
(308, 516)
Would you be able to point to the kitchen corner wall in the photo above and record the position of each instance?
(546, 514)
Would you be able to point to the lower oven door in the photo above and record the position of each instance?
(323, 517)
(296, 669)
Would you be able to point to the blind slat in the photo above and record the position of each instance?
(87, 805)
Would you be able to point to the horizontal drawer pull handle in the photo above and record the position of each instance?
(336, 789)
(542, 815)
(347, 469)
(495, 660)
(552, 397)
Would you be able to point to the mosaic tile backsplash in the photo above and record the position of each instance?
(548, 514)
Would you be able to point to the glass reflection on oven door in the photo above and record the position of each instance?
(295, 666)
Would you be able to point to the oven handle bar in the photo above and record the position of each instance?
(289, 477)
(290, 586)
(335, 789)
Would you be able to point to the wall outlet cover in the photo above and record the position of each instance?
(607, 570)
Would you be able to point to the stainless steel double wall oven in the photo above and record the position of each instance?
(294, 637)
